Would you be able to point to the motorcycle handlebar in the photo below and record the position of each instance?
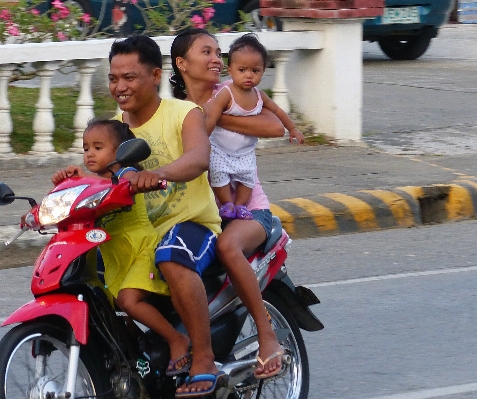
(161, 185)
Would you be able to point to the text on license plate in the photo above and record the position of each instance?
(401, 15)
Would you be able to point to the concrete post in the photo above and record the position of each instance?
(6, 125)
(326, 85)
(43, 121)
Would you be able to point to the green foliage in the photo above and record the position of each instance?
(169, 17)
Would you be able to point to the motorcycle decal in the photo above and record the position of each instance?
(96, 235)
(143, 367)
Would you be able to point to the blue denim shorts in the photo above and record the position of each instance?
(188, 244)
(262, 216)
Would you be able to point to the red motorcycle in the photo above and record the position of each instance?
(70, 342)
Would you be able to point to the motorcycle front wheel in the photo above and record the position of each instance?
(294, 381)
(34, 364)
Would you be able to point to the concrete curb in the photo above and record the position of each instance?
(369, 210)
(336, 213)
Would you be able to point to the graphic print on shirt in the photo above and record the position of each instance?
(160, 203)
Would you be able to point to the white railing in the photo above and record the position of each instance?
(47, 58)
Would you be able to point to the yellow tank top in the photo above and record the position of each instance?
(191, 201)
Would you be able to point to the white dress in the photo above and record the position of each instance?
(232, 157)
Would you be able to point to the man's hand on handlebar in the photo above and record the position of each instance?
(145, 181)
(70, 171)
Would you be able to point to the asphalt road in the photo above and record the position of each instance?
(425, 106)
(398, 307)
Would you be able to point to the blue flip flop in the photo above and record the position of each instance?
(218, 380)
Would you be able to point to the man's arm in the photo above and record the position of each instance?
(193, 162)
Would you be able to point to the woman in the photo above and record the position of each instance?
(197, 63)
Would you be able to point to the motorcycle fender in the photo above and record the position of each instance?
(298, 300)
(69, 307)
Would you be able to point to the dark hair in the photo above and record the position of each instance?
(180, 46)
(146, 48)
(119, 131)
(248, 41)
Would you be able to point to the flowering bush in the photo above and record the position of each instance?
(169, 17)
(23, 21)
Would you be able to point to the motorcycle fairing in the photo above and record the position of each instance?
(67, 306)
(63, 248)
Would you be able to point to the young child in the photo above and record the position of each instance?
(130, 272)
(232, 159)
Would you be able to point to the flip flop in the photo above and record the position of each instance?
(264, 362)
(218, 380)
(227, 211)
(175, 368)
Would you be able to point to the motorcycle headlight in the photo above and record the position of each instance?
(56, 206)
(93, 200)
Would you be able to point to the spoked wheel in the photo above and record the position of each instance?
(293, 382)
(34, 365)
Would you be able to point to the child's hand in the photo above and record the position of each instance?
(70, 171)
(298, 135)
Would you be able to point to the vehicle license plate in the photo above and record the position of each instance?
(401, 15)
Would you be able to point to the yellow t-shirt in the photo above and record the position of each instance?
(190, 201)
(129, 255)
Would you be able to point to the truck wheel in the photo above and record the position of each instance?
(260, 23)
(409, 49)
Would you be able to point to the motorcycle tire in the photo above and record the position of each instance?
(294, 382)
(34, 363)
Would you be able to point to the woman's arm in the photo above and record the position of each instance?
(266, 124)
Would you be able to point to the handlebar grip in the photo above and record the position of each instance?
(161, 185)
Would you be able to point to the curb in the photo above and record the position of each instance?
(369, 210)
(329, 214)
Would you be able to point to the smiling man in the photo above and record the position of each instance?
(185, 215)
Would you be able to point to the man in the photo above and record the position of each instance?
(185, 214)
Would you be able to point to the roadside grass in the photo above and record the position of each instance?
(22, 108)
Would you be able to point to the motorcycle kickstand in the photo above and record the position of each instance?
(259, 390)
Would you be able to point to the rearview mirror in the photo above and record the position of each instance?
(7, 196)
(132, 151)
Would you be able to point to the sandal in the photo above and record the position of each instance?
(174, 368)
(264, 362)
(227, 211)
(218, 381)
(241, 212)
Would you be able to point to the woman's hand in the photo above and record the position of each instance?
(70, 171)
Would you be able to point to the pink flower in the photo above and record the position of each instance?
(35, 12)
(218, 1)
(208, 13)
(13, 30)
(86, 18)
(55, 17)
(5, 15)
(61, 36)
(64, 12)
(133, 1)
(57, 4)
(198, 21)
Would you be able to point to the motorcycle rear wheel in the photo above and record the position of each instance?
(294, 382)
(34, 363)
